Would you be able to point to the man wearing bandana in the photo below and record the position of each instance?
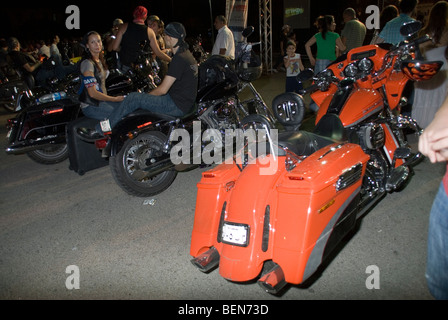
(175, 96)
(130, 36)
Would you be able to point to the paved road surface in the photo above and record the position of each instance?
(52, 218)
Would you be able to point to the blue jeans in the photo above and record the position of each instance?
(134, 101)
(102, 111)
(437, 260)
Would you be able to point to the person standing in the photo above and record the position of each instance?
(224, 43)
(354, 31)
(391, 31)
(54, 49)
(109, 37)
(429, 95)
(388, 13)
(293, 65)
(156, 24)
(328, 43)
(286, 29)
(433, 143)
(44, 49)
(130, 36)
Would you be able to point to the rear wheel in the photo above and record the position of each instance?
(128, 165)
(50, 155)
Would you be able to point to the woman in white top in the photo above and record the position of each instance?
(429, 95)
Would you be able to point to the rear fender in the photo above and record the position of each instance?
(131, 126)
(251, 203)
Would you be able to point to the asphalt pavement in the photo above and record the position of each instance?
(55, 224)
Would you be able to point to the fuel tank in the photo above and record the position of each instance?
(352, 104)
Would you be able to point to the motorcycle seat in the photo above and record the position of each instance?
(302, 143)
(163, 116)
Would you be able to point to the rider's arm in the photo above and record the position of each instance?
(117, 41)
(164, 87)
(31, 68)
(155, 46)
(97, 95)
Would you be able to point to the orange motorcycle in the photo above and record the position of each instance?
(278, 216)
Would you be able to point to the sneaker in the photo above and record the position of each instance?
(89, 135)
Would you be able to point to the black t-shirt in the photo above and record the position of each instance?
(130, 43)
(20, 59)
(184, 68)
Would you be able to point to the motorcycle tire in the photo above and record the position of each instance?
(125, 166)
(50, 155)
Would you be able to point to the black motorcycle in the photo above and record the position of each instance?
(12, 85)
(141, 145)
(39, 130)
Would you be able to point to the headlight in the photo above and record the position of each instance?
(365, 64)
(351, 70)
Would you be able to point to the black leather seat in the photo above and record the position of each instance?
(163, 116)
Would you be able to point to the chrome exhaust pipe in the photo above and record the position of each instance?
(273, 281)
(207, 260)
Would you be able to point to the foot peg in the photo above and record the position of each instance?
(397, 178)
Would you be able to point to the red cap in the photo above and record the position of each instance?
(140, 13)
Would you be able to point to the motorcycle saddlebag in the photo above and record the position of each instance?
(83, 156)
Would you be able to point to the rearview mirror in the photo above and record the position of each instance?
(247, 32)
(409, 29)
(305, 75)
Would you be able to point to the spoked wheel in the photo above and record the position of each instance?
(50, 155)
(128, 165)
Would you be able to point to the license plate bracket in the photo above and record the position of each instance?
(236, 234)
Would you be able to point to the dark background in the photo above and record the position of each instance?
(41, 20)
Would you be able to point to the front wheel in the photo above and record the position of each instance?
(128, 165)
(50, 155)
